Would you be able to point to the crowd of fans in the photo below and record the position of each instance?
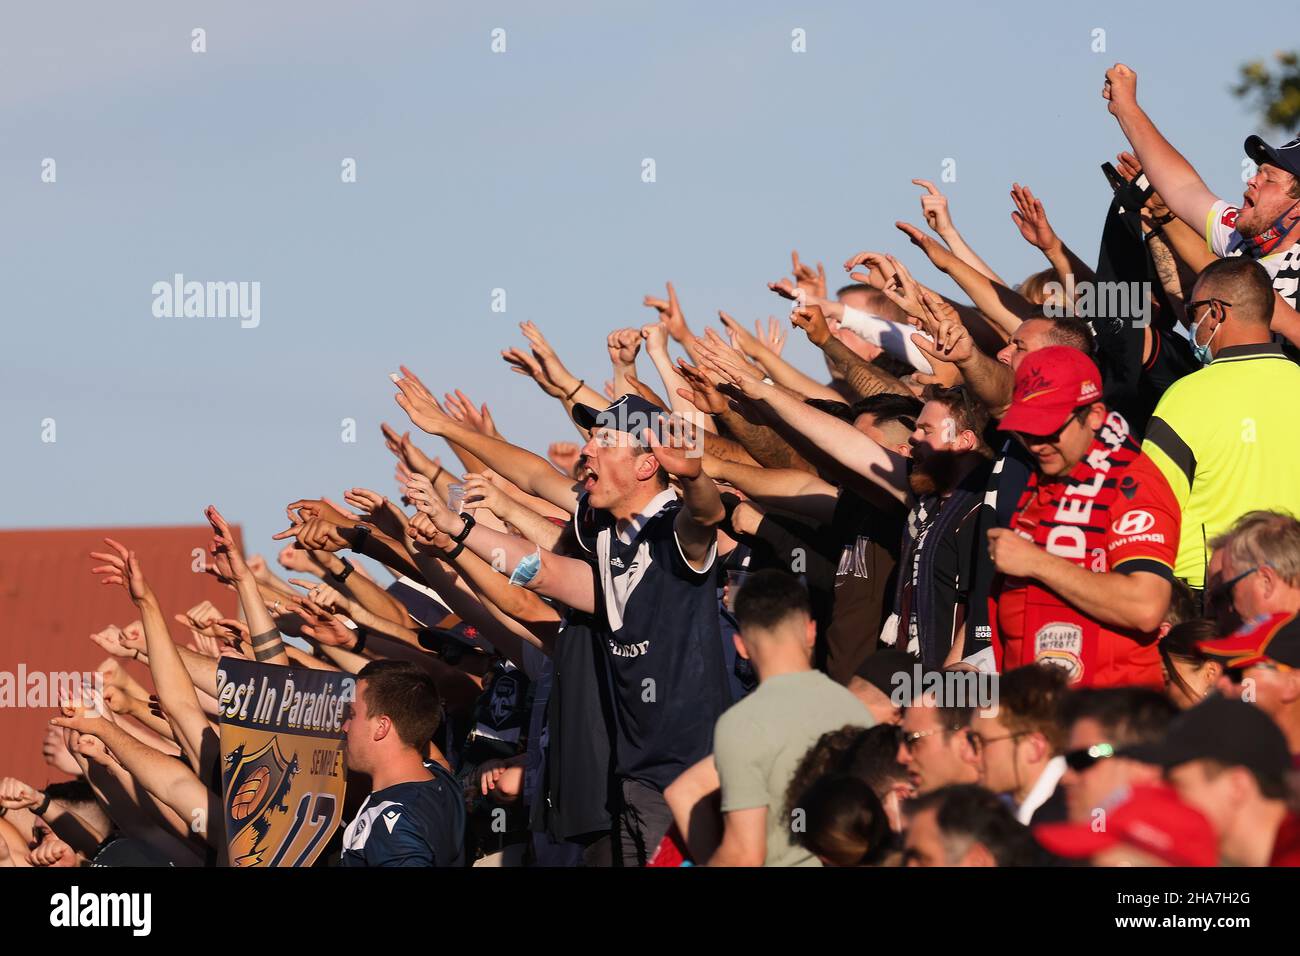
(1017, 585)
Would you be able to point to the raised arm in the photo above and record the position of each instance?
(1182, 188)
(175, 691)
(777, 368)
(1003, 306)
(787, 488)
(682, 456)
(174, 784)
(565, 579)
(934, 206)
(855, 453)
(530, 472)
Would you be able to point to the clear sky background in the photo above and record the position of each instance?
(477, 171)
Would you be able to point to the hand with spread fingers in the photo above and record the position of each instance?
(812, 283)
(120, 566)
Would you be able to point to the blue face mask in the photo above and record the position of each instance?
(1202, 352)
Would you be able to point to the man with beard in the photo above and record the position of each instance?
(1263, 227)
(942, 484)
(1086, 568)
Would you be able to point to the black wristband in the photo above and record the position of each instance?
(342, 576)
(45, 805)
(363, 535)
(455, 552)
(360, 634)
(464, 532)
(575, 391)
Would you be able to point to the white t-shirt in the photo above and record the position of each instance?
(1223, 239)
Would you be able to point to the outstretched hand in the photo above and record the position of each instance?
(419, 404)
(1031, 220)
(123, 568)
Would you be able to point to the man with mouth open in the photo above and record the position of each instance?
(648, 581)
(1086, 568)
(1265, 226)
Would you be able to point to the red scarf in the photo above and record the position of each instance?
(1053, 631)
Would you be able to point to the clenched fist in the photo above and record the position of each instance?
(1120, 88)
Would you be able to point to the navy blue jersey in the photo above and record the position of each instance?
(659, 622)
(409, 824)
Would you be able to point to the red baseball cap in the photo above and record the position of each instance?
(1271, 638)
(1050, 384)
(1152, 819)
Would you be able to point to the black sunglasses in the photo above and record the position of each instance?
(1081, 760)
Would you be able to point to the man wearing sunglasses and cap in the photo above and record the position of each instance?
(1264, 226)
(1086, 567)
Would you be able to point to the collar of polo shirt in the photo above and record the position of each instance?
(628, 530)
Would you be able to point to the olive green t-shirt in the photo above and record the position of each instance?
(759, 742)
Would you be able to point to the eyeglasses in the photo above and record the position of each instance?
(1081, 760)
(1217, 595)
(909, 739)
(980, 742)
(1078, 415)
(1191, 307)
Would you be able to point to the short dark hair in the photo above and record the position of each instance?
(888, 407)
(952, 717)
(968, 811)
(407, 695)
(1243, 282)
(71, 791)
(1030, 699)
(840, 410)
(966, 410)
(768, 597)
(1127, 715)
(1072, 331)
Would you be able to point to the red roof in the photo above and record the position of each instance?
(50, 603)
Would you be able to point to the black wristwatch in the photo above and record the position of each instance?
(45, 805)
(363, 534)
(341, 576)
(460, 538)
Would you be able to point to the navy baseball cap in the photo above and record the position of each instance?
(1230, 732)
(1285, 157)
(631, 414)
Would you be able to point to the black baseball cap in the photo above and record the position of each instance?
(1230, 732)
(1285, 157)
(879, 668)
(631, 414)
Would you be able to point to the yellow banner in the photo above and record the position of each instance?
(282, 770)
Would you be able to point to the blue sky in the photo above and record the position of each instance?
(479, 171)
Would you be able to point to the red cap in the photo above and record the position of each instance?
(1152, 819)
(1269, 638)
(1050, 384)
